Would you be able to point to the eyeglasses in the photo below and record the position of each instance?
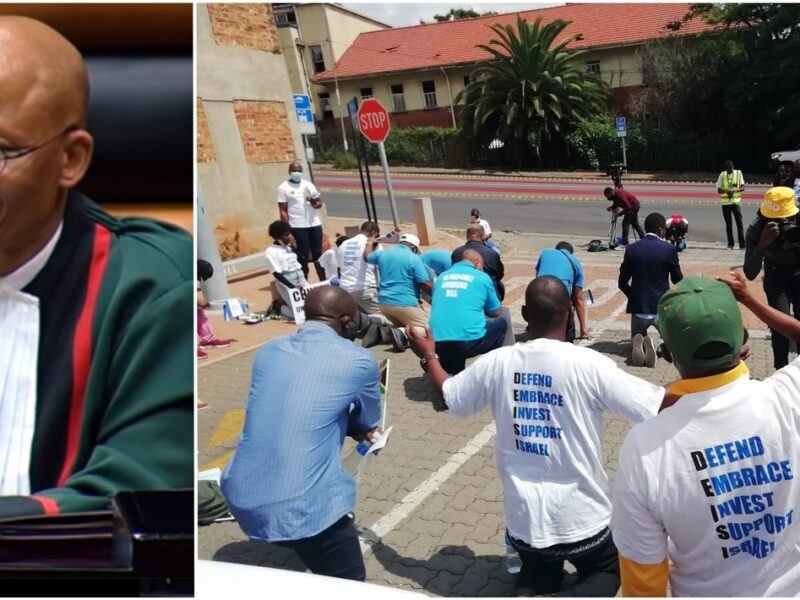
(7, 155)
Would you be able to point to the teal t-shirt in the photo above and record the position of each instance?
(401, 273)
(462, 296)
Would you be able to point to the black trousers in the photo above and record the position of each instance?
(598, 569)
(334, 552)
(309, 241)
(736, 211)
(631, 218)
(782, 287)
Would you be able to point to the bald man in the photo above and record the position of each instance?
(463, 297)
(492, 265)
(547, 398)
(96, 373)
(285, 484)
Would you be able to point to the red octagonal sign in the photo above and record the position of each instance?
(373, 120)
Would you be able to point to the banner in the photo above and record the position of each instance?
(297, 299)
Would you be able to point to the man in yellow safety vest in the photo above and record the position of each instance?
(730, 186)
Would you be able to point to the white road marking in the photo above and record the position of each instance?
(413, 499)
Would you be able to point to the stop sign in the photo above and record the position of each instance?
(373, 120)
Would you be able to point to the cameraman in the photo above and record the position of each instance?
(774, 238)
(625, 204)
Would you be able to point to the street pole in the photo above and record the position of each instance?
(335, 77)
(392, 205)
(308, 162)
(624, 156)
(215, 289)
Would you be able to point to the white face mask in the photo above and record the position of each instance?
(296, 176)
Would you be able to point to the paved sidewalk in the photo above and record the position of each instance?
(430, 506)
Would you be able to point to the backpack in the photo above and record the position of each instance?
(211, 504)
(596, 246)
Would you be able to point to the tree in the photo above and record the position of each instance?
(531, 92)
(454, 14)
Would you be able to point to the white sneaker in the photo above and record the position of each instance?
(637, 350)
(650, 355)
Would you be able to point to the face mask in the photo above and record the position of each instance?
(296, 176)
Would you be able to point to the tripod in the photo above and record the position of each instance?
(613, 230)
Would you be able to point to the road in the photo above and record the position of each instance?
(532, 206)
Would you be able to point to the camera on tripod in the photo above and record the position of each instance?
(616, 170)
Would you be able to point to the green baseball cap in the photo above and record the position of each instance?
(700, 322)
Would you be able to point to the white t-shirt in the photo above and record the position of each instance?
(282, 259)
(486, 229)
(301, 213)
(548, 398)
(356, 273)
(327, 261)
(712, 483)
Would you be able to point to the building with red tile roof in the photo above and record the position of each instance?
(416, 72)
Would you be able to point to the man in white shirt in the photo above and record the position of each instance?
(298, 203)
(547, 398)
(706, 492)
(356, 276)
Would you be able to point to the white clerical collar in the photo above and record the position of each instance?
(23, 275)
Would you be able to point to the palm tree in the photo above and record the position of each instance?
(530, 92)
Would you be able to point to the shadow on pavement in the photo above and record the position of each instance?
(617, 347)
(451, 571)
(259, 554)
(419, 389)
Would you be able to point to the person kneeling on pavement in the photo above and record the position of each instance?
(284, 265)
(463, 296)
(547, 398)
(706, 492)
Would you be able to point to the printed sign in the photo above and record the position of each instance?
(297, 299)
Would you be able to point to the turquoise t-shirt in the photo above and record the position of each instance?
(559, 263)
(401, 273)
(438, 260)
(462, 296)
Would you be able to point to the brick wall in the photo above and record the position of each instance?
(244, 26)
(264, 130)
(205, 150)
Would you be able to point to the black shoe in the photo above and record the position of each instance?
(399, 339)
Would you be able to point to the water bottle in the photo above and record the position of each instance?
(363, 447)
(226, 312)
(513, 560)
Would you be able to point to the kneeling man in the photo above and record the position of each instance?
(463, 296)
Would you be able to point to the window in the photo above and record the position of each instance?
(466, 80)
(317, 59)
(325, 105)
(285, 18)
(429, 94)
(652, 120)
(398, 99)
(365, 92)
(593, 67)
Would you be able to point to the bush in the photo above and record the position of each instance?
(344, 160)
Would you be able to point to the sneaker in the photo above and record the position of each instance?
(637, 350)
(216, 343)
(372, 336)
(650, 355)
(399, 339)
(201, 355)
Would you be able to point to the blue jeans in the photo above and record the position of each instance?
(334, 552)
(309, 239)
(454, 355)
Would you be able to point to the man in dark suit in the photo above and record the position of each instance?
(644, 276)
(492, 265)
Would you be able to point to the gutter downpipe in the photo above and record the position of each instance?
(449, 93)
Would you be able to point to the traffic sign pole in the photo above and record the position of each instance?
(392, 205)
(624, 157)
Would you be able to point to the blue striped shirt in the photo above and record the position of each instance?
(285, 481)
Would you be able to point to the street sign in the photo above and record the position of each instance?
(373, 120)
(305, 116)
(622, 127)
